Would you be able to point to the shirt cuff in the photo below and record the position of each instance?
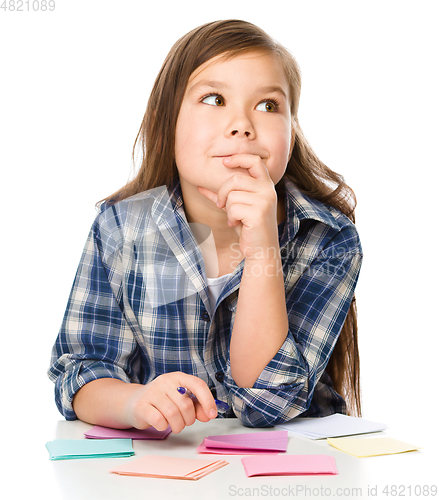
(76, 375)
(280, 393)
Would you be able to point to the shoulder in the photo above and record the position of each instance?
(131, 216)
(140, 203)
(319, 220)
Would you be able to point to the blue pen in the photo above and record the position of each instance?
(220, 405)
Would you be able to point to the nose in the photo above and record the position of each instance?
(236, 132)
(241, 126)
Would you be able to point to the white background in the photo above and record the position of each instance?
(74, 87)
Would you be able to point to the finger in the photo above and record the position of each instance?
(202, 392)
(186, 407)
(200, 415)
(252, 163)
(240, 198)
(210, 195)
(238, 214)
(154, 418)
(237, 182)
(172, 414)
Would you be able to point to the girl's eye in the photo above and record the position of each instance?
(269, 106)
(213, 100)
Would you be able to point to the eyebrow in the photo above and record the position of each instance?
(273, 89)
(219, 85)
(209, 83)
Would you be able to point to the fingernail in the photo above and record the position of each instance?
(212, 413)
(227, 159)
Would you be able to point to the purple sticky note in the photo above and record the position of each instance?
(98, 432)
(248, 443)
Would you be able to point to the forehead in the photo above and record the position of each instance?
(260, 67)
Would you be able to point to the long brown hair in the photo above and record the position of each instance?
(156, 139)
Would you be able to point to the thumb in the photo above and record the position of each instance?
(202, 393)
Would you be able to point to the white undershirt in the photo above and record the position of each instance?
(215, 287)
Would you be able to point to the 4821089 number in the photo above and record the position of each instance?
(28, 5)
(408, 491)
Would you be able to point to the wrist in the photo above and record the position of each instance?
(264, 265)
(104, 402)
(266, 248)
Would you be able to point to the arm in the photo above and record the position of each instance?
(261, 321)
(319, 291)
(96, 363)
(251, 204)
(103, 402)
(95, 340)
(283, 332)
(116, 404)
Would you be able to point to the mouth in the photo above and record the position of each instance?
(233, 154)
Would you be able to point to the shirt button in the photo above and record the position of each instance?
(205, 316)
(219, 376)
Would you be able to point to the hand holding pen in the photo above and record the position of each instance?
(161, 403)
(220, 405)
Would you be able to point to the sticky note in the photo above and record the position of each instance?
(331, 426)
(98, 432)
(65, 449)
(369, 447)
(161, 466)
(247, 443)
(289, 465)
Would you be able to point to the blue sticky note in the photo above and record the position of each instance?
(66, 449)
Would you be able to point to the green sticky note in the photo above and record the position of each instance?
(66, 449)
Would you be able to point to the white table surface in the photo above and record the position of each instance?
(90, 478)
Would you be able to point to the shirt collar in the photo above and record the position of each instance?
(300, 207)
(168, 202)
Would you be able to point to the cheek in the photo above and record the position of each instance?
(280, 152)
(279, 134)
(192, 138)
(182, 131)
(180, 139)
(203, 127)
(281, 144)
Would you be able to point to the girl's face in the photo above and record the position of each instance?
(233, 106)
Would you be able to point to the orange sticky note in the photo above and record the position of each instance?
(161, 466)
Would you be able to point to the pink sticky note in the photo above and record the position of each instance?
(289, 465)
(229, 451)
(98, 432)
(248, 443)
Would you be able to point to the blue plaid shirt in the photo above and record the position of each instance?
(139, 307)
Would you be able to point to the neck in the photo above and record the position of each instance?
(200, 211)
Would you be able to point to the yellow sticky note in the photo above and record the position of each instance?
(370, 447)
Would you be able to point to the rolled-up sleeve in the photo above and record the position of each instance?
(319, 292)
(95, 340)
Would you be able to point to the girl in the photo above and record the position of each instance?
(227, 266)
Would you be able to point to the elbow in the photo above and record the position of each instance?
(268, 407)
